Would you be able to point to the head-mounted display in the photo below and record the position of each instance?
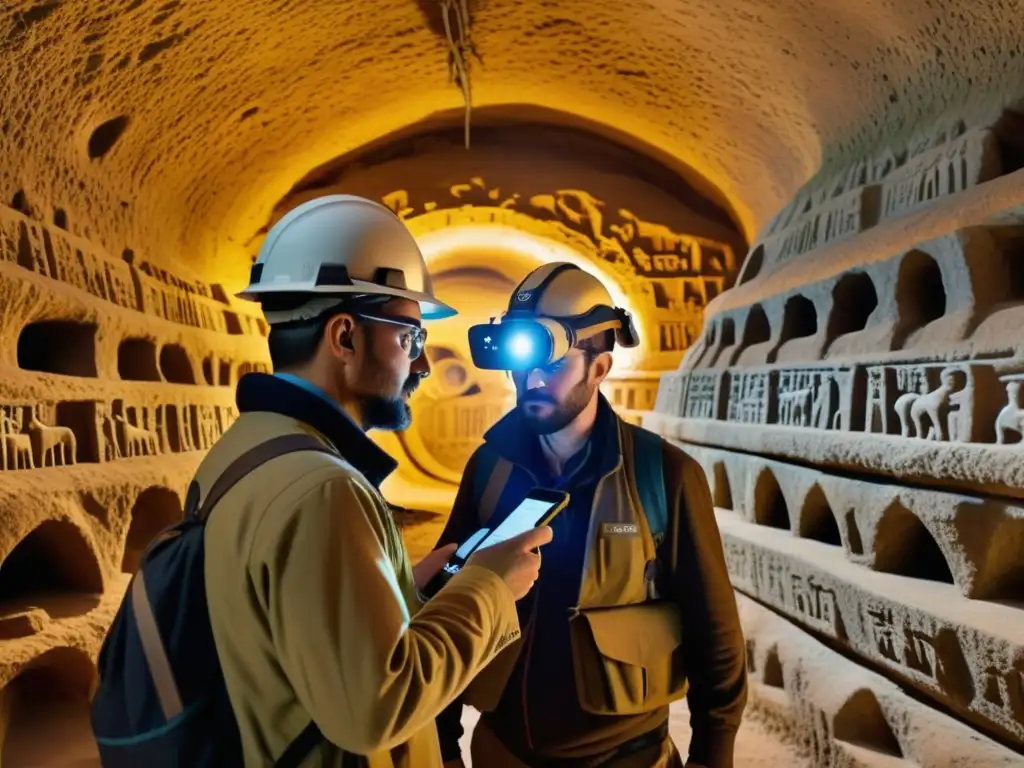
(521, 341)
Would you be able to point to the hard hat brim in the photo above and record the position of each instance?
(430, 307)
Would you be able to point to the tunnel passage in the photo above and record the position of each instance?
(54, 564)
(58, 346)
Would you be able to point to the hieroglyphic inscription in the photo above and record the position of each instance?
(702, 395)
(55, 254)
(751, 396)
(815, 397)
(908, 640)
(963, 163)
(672, 394)
(814, 602)
(846, 215)
(1004, 690)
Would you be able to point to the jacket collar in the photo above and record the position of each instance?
(263, 392)
(516, 443)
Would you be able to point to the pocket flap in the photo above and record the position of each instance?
(636, 634)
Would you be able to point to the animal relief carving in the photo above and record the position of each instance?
(947, 408)
(15, 446)
(51, 445)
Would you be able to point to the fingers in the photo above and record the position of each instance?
(532, 539)
(447, 550)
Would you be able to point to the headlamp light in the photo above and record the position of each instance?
(519, 344)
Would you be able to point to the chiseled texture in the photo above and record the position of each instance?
(219, 107)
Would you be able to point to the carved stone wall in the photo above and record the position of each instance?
(856, 404)
(115, 376)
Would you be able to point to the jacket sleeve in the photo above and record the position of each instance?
(462, 523)
(368, 674)
(716, 663)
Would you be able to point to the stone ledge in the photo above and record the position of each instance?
(964, 540)
(993, 469)
(968, 655)
(847, 716)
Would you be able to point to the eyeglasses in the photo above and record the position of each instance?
(412, 342)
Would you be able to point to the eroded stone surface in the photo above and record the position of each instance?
(966, 654)
(845, 716)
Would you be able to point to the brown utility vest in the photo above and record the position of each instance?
(626, 641)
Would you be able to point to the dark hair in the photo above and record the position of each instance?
(295, 343)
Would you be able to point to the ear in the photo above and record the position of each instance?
(338, 336)
(601, 367)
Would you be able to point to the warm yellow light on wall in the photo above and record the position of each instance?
(491, 239)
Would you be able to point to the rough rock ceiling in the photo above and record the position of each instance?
(210, 111)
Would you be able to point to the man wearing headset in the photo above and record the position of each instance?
(633, 608)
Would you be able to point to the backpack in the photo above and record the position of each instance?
(162, 701)
(492, 472)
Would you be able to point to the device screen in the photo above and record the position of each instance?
(537, 506)
(523, 518)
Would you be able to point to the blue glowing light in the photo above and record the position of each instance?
(520, 345)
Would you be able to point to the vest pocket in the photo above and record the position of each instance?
(627, 659)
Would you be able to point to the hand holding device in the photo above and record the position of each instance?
(515, 560)
(431, 565)
(535, 511)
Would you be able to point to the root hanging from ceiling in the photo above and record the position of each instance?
(460, 49)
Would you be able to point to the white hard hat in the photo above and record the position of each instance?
(340, 245)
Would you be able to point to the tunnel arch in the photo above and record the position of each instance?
(920, 295)
(175, 365)
(770, 507)
(64, 347)
(854, 300)
(155, 509)
(53, 559)
(905, 547)
(46, 706)
(817, 520)
(137, 361)
(722, 496)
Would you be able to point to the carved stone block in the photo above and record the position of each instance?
(821, 398)
(945, 402)
(946, 170)
(703, 395)
(836, 220)
(752, 396)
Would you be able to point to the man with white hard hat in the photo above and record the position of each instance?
(314, 605)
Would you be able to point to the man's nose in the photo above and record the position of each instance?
(535, 379)
(421, 366)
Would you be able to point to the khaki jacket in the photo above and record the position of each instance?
(313, 606)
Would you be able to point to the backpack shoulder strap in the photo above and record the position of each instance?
(649, 476)
(489, 479)
(255, 457)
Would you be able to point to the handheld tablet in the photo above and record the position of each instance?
(538, 509)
